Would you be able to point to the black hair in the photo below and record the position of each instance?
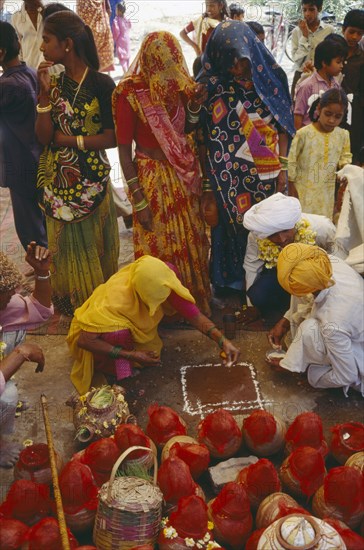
(256, 27)
(121, 6)
(197, 66)
(328, 50)
(52, 8)
(334, 95)
(66, 24)
(9, 41)
(224, 8)
(236, 9)
(354, 18)
(337, 38)
(317, 3)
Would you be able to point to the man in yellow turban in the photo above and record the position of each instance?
(329, 343)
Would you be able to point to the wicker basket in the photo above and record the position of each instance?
(129, 511)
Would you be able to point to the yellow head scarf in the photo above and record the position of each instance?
(303, 269)
(134, 299)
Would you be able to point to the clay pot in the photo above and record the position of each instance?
(269, 511)
(271, 447)
(33, 464)
(323, 509)
(287, 534)
(176, 439)
(170, 507)
(292, 484)
(356, 461)
(146, 461)
(92, 423)
(258, 491)
(221, 537)
(343, 443)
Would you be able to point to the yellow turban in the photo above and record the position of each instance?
(303, 269)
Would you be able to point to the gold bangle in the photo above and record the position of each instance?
(46, 109)
(136, 190)
(131, 181)
(80, 143)
(190, 110)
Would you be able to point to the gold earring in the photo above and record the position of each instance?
(67, 49)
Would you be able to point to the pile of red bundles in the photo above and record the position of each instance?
(303, 471)
(260, 480)
(175, 480)
(189, 521)
(101, 456)
(163, 424)
(196, 456)
(45, 535)
(231, 515)
(27, 501)
(277, 506)
(13, 534)
(78, 488)
(306, 431)
(346, 440)
(129, 435)
(341, 496)
(263, 433)
(253, 540)
(352, 540)
(220, 433)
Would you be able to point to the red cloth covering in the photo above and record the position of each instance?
(128, 435)
(101, 456)
(260, 480)
(220, 428)
(352, 540)
(307, 430)
(231, 514)
(197, 457)
(26, 501)
(13, 534)
(344, 489)
(252, 542)
(78, 487)
(343, 446)
(190, 519)
(308, 467)
(45, 535)
(163, 424)
(285, 509)
(175, 480)
(261, 427)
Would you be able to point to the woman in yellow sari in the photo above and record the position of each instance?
(117, 326)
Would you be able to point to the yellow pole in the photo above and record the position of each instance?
(57, 493)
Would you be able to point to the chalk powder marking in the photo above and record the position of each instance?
(202, 409)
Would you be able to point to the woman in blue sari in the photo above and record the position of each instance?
(246, 125)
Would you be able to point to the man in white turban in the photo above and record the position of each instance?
(329, 343)
(273, 224)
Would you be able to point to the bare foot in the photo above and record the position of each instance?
(9, 453)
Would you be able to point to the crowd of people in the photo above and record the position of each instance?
(232, 177)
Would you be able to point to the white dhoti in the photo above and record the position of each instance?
(8, 404)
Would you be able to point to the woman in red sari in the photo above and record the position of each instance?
(154, 106)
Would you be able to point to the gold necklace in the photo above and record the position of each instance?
(79, 85)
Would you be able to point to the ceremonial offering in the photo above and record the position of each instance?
(196, 455)
(306, 431)
(276, 506)
(346, 440)
(356, 461)
(264, 433)
(129, 511)
(300, 532)
(128, 435)
(33, 463)
(260, 480)
(303, 471)
(97, 413)
(163, 424)
(220, 433)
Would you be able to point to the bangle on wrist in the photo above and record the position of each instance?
(208, 332)
(221, 341)
(141, 205)
(42, 277)
(114, 353)
(132, 180)
(45, 109)
(191, 110)
(136, 190)
(80, 143)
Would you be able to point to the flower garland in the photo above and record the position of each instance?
(269, 251)
(206, 542)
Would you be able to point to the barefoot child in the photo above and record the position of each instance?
(317, 152)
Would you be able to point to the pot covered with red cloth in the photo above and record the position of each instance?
(220, 433)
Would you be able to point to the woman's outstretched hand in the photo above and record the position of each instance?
(231, 352)
(145, 358)
(38, 257)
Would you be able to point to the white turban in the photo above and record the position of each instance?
(276, 213)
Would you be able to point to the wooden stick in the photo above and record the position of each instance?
(57, 493)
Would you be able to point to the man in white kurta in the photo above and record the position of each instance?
(279, 219)
(329, 343)
(29, 32)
